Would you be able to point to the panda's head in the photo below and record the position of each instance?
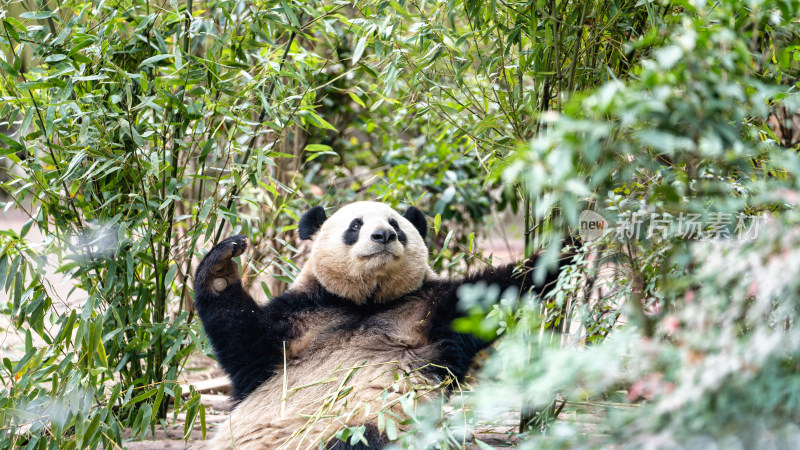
(366, 250)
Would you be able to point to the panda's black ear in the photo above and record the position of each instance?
(417, 219)
(311, 221)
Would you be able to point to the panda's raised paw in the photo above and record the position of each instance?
(229, 248)
(217, 270)
(221, 255)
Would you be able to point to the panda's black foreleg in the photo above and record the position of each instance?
(457, 349)
(246, 341)
(520, 276)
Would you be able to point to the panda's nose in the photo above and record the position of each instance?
(384, 236)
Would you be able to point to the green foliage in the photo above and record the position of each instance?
(145, 132)
(141, 127)
(468, 80)
(711, 346)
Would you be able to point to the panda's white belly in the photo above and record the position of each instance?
(333, 378)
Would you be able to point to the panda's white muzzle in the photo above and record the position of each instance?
(382, 250)
(382, 242)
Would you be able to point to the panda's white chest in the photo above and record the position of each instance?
(390, 333)
(339, 357)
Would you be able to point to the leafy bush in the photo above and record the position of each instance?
(141, 129)
(711, 348)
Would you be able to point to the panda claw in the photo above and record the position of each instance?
(231, 247)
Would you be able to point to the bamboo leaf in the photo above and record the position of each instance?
(359, 50)
(12, 145)
(154, 59)
(143, 396)
(391, 429)
(290, 14)
(319, 122)
(37, 15)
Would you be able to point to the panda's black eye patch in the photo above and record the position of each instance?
(401, 236)
(351, 235)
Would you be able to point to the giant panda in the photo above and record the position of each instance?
(365, 321)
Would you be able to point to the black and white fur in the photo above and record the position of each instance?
(365, 312)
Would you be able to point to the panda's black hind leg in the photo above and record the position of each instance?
(376, 441)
